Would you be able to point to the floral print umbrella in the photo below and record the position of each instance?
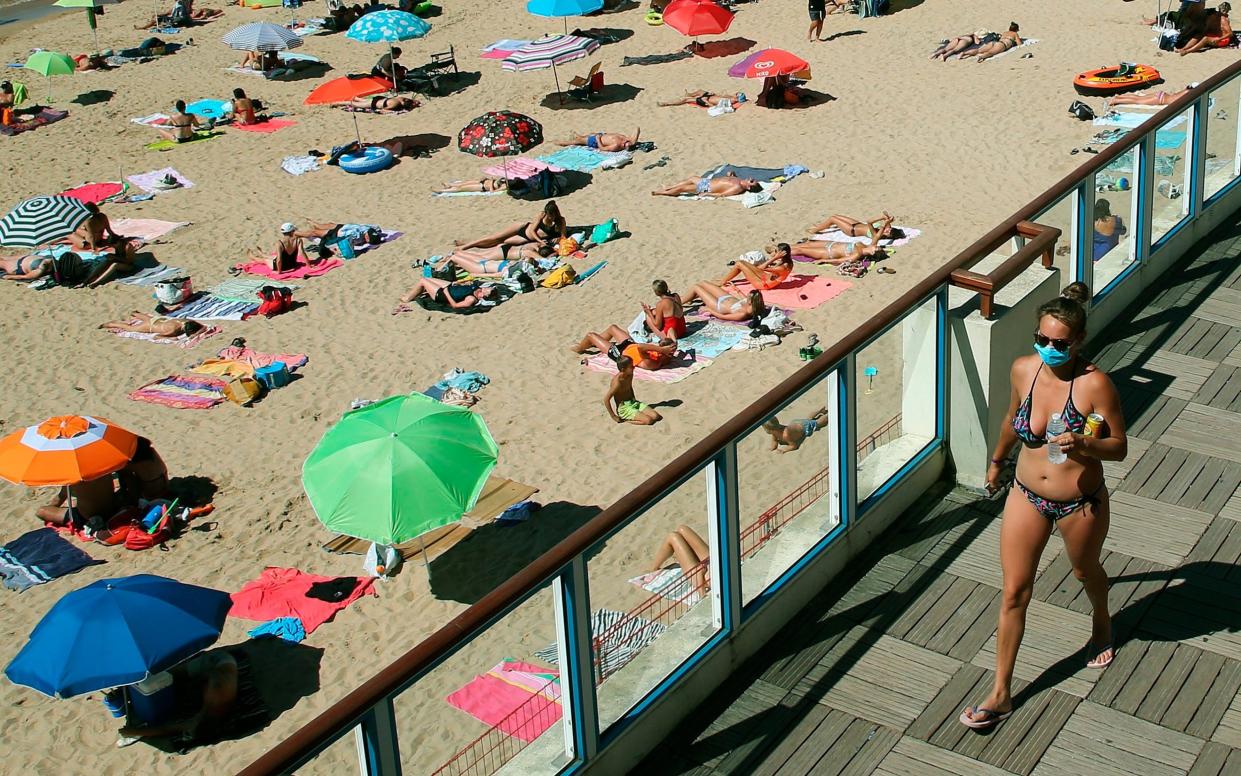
(500, 133)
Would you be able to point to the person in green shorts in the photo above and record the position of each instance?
(620, 392)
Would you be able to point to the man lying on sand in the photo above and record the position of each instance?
(620, 392)
(649, 357)
(604, 141)
(787, 438)
(719, 186)
(456, 295)
(704, 99)
(161, 326)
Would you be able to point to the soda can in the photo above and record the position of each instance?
(1094, 421)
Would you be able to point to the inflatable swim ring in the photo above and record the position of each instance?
(1112, 80)
(654, 18)
(372, 159)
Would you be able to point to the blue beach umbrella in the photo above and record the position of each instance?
(388, 27)
(563, 8)
(116, 632)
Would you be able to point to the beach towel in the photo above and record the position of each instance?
(37, 557)
(507, 44)
(300, 271)
(1133, 120)
(209, 109)
(519, 167)
(288, 628)
(835, 235)
(748, 199)
(257, 360)
(656, 59)
(362, 247)
(681, 368)
(153, 120)
(164, 144)
(300, 165)
(244, 289)
(518, 698)
(182, 392)
(583, 159)
(146, 181)
(281, 592)
(271, 125)
(760, 174)
(801, 292)
(40, 119)
(147, 229)
(671, 584)
(97, 192)
(467, 193)
(712, 339)
(1024, 42)
(183, 341)
(205, 307)
(618, 638)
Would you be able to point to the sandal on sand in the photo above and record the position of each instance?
(1092, 655)
(989, 720)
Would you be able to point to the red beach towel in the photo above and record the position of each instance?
(282, 593)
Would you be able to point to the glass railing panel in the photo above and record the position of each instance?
(1060, 216)
(897, 397)
(1173, 152)
(650, 598)
(1221, 163)
(785, 486)
(340, 757)
(1115, 218)
(497, 696)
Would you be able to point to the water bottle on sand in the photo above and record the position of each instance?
(1055, 427)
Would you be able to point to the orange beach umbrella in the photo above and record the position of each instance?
(344, 89)
(65, 450)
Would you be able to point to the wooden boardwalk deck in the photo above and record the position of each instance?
(871, 677)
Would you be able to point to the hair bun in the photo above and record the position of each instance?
(1077, 292)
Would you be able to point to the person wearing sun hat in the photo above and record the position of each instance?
(289, 253)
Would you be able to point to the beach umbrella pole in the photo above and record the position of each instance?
(556, 76)
(356, 131)
(391, 61)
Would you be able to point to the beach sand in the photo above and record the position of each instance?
(950, 148)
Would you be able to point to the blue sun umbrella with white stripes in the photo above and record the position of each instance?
(388, 27)
(262, 36)
(42, 220)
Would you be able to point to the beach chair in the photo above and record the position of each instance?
(427, 78)
(585, 87)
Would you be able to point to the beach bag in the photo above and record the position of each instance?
(544, 184)
(382, 560)
(567, 246)
(242, 390)
(276, 300)
(1081, 110)
(174, 291)
(561, 276)
(604, 232)
(138, 539)
(69, 270)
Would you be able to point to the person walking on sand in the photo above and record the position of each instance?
(620, 392)
(818, 10)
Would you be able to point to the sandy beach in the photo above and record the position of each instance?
(948, 148)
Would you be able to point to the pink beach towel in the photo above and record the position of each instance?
(301, 271)
(518, 698)
(294, 361)
(519, 167)
(282, 592)
(95, 192)
(145, 228)
(802, 292)
(271, 125)
(670, 374)
(182, 341)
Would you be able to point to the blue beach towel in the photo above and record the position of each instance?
(712, 340)
(38, 557)
(208, 109)
(288, 628)
(579, 158)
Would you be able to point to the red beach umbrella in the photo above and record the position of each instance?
(697, 17)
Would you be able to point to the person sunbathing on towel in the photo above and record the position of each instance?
(704, 99)
(96, 234)
(667, 317)
(690, 552)
(839, 252)
(620, 392)
(787, 438)
(719, 186)
(482, 184)
(1148, 97)
(765, 274)
(1215, 32)
(263, 61)
(26, 268)
(644, 356)
(110, 265)
(216, 673)
(91, 498)
(548, 225)
(994, 45)
(727, 305)
(455, 295)
(380, 103)
(290, 252)
(493, 262)
(958, 43)
(604, 141)
(852, 227)
(161, 326)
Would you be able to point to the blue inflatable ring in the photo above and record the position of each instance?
(372, 159)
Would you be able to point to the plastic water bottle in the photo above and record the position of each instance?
(1055, 427)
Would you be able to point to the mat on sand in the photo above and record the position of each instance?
(300, 271)
(802, 292)
(682, 367)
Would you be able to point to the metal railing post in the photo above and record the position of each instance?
(571, 601)
(724, 539)
(1198, 170)
(379, 752)
(1143, 200)
(1083, 229)
(844, 463)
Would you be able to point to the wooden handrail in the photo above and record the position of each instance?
(1040, 243)
(338, 718)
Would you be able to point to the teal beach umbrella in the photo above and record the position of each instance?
(393, 470)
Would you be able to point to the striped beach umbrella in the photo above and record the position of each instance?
(262, 36)
(65, 450)
(550, 51)
(41, 220)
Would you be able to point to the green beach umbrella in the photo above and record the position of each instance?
(91, 7)
(50, 63)
(393, 470)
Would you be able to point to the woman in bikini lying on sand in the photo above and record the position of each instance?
(852, 227)
(548, 225)
(604, 141)
(492, 262)
(161, 326)
(704, 99)
(384, 104)
(482, 184)
(727, 305)
(719, 186)
(839, 252)
(690, 552)
(995, 44)
(765, 274)
(1148, 97)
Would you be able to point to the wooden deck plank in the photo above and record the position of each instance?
(1232, 509)
(1053, 640)
(970, 627)
(1206, 430)
(1198, 684)
(1152, 530)
(1174, 492)
(1102, 741)
(879, 742)
(1216, 702)
(1030, 752)
(1160, 478)
(956, 694)
(1167, 684)
(809, 720)
(848, 747)
(818, 743)
(1213, 761)
(1116, 471)
(1179, 376)
(1228, 731)
(1146, 464)
(947, 606)
(978, 560)
(1228, 342)
(911, 757)
(1140, 681)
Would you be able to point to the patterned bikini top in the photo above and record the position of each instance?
(1073, 419)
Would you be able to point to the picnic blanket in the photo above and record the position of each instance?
(271, 125)
(681, 367)
(183, 341)
(40, 119)
(146, 181)
(618, 638)
(519, 698)
(37, 557)
(801, 292)
(282, 592)
(147, 229)
(300, 271)
(519, 167)
(207, 307)
(583, 159)
(97, 192)
(835, 235)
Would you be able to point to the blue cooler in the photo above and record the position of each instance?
(274, 375)
(152, 700)
(345, 248)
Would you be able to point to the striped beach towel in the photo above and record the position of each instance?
(211, 308)
(152, 275)
(618, 638)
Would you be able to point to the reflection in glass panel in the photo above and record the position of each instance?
(1060, 215)
(442, 727)
(1114, 218)
(1221, 166)
(896, 401)
(650, 598)
(784, 488)
(1172, 149)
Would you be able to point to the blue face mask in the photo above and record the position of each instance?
(1051, 356)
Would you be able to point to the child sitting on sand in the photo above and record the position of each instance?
(786, 439)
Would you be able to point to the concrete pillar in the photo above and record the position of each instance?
(918, 335)
(980, 357)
